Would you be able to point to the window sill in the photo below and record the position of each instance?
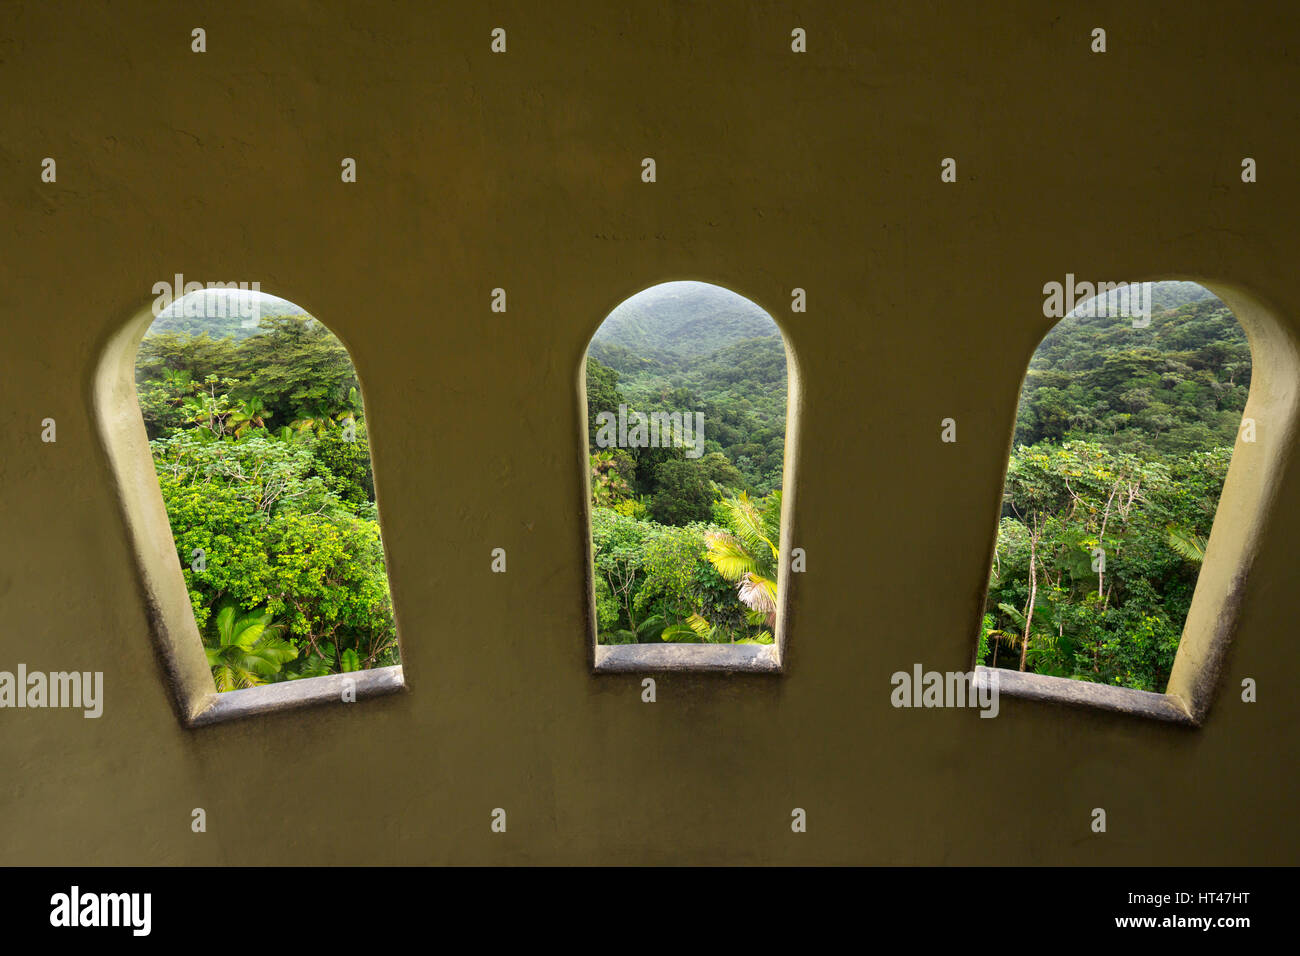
(631, 658)
(1078, 693)
(295, 694)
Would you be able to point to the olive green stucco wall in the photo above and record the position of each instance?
(522, 171)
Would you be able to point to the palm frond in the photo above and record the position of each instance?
(700, 626)
(757, 593)
(680, 634)
(1188, 545)
(747, 520)
(729, 555)
(1012, 613)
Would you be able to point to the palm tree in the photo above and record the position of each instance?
(748, 555)
(697, 629)
(351, 407)
(321, 418)
(607, 482)
(319, 424)
(249, 648)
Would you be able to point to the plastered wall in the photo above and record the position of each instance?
(522, 170)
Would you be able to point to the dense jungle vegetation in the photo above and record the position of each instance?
(259, 443)
(1122, 442)
(685, 549)
(1123, 439)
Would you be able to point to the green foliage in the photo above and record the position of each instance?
(245, 648)
(284, 516)
(344, 465)
(302, 370)
(1119, 624)
(694, 348)
(661, 518)
(1124, 440)
(292, 370)
(607, 606)
(1174, 387)
(1191, 546)
(603, 395)
(672, 555)
(207, 314)
(682, 493)
(746, 554)
(660, 583)
(633, 508)
(670, 323)
(610, 475)
(987, 633)
(177, 360)
(619, 556)
(741, 392)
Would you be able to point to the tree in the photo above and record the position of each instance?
(618, 549)
(682, 494)
(298, 368)
(246, 648)
(1096, 559)
(609, 477)
(747, 555)
(194, 356)
(210, 405)
(274, 532)
(285, 522)
(603, 394)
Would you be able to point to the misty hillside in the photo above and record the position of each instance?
(676, 321)
(1171, 294)
(1168, 294)
(693, 347)
(210, 304)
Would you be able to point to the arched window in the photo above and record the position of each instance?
(1117, 573)
(686, 440)
(244, 468)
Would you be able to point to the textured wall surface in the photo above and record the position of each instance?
(522, 171)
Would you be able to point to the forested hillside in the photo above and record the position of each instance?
(685, 548)
(688, 346)
(1177, 385)
(678, 320)
(1122, 442)
(218, 313)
